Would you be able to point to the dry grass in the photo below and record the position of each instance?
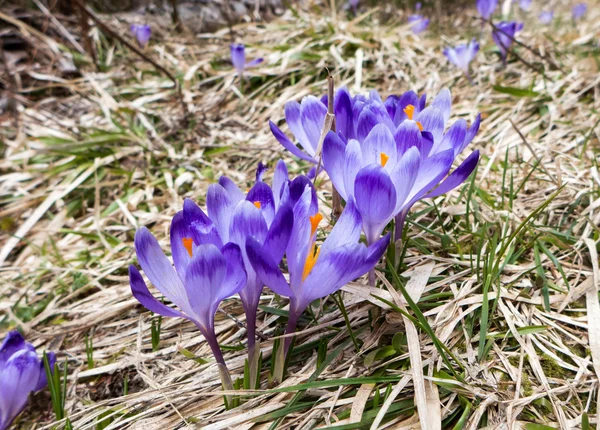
(89, 158)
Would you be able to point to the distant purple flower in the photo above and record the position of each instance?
(354, 5)
(546, 17)
(504, 34)
(316, 271)
(486, 8)
(206, 272)
(579, 10)
(21, 373)
(462, 55)
(525, 4)
(418, 23)
(142, 33)
(238, 58)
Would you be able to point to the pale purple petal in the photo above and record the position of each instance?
(432, 120)
(293, 118)
(279, 233)
(457, 177)
(431, 171)
(254, 62)
(301, 238)
(262, 194)
(443, 101)
(142, 34)
(140, 291)
(19, 376)
(545, 17)
(486, 8)
(404, 175)
(408, 135)
(220, 207)
(579, 10)
(343, 113)
(471, 132)
(313, 113)
(266, 269)
(454, 137)
(418, 23)
(333, 161)
(238, 56)
(353, 163)
(288, 144)
(235, 194)
(380, 140)
(201, 227)
(346, 230)
(280, 176)
(525, 5)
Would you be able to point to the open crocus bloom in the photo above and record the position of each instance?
(21, 373)
(142, 33)
(315, 272)
(417, 22)
(238, 58)
(486, 8)
(579, 11)
(462, 55)
(388, 173)
(504, 34)
(205, 273)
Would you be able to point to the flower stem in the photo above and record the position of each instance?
(211, 338)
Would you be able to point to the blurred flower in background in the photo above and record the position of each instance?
(238, 58)
(462, 55)
(486, 8)
(142, 33)
(503, 36)
(525, 5)
(546, 16)
(579, 11)
(417, 22)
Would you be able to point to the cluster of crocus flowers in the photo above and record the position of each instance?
(462, 55)
(384, 156)
(237, 246)
(21, 373)
(504, 34)
(417, 22)
(142, 34)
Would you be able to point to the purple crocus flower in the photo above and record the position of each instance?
(503, 36)
(205, 273)
(142, 33)
(525, 5)
(417, 22)
(21, 373)
(354, 5)
(546, 17)
(389, 172)
(486, 8)
(579, 10)
(235, 216)
(315, 272)
(462, 55)
(238, 58)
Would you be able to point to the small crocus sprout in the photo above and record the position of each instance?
(503, 36)
(142, 33)
(205, 274)
(417, 22)
(486, 8)
(546, 17)
(525, 5)
(579, 11)
(238, 58)
(21, 373)
(462, 55)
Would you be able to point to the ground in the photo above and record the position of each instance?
(503, 270)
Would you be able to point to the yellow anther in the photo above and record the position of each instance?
(384, 158)
(257, 204)
(409, 111)
(187, 244)
(311, 260)
(314, 223)
(420, 126)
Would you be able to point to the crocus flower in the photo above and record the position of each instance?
(486, 8)
(462, 55)
(546, 17)
(21, 373)
(354, 5)
(142, 33)
(579, 10)
(389, 172)
(503, 36)
(525, 4)
(238, 58)
(205, 273)
(417, 22)
(316, 271)
(234, 216)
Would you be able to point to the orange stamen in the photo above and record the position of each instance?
(409, 111)
(311, 260)
(187, 243)
(257, 204)
(420, 126)
(384, 158)
(314, 223)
